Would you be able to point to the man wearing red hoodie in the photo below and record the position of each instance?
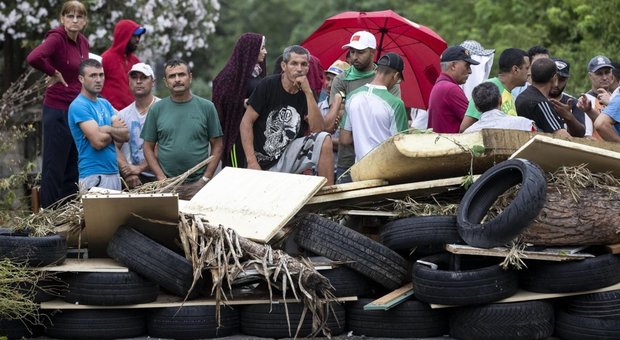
(118, 60)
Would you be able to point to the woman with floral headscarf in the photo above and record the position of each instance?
(231, 88)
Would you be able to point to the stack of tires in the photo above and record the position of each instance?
(22, 247)
(474, 283)
(151, 267)
(368, 263)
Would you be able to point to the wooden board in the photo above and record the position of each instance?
(550, 254)
(427, 156)
(256, 204)
(175, 301)
(614, 248)
(357, 212)
(103, 214)
(392, 299)
(330, 189)
(416, 189)
(551, 153)
(524, 295)
(87, 265)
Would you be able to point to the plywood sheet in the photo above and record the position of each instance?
(371, 183)
(428, 156)
(416, 189)
(256, 204)
(550, 254)
(164, 301)
(552, 153)
(87, 265)
(103, 214)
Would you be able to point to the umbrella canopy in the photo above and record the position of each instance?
(418, 45)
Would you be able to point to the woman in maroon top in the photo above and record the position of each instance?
(231, 89)
(59, 56)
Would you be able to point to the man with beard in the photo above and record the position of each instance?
(282, 129)
(362, 48)
(95, 128)
(514, 69)
(559, 98)
(130, 155)
(185, 128)
(118, 60)
(534, 102)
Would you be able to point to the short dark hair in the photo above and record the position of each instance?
(176, 62)
(286, 54)
(384, 69)
(534, 50)
(486, 96)
(543, 70)
(89, 63)
(511, 57)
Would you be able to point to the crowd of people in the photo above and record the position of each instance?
(102, 125)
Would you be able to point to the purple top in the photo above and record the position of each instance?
(446, 106)
(59, 52)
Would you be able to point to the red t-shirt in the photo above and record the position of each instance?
(447, 105)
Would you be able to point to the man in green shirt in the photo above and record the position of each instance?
(514, 67)
(185, 128)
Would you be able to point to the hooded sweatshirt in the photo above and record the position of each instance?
(59, 52)
(116, 65)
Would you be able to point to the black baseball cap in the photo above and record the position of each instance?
(393, 61)
(563, 67)
(456, 53)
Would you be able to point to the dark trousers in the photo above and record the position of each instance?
(59, 176)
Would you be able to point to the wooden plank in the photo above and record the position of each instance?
(614, 248)
(256, 204)
(330, 189)
(524, 295)
(175, 301)
(428, 156)
(392, 299)
(563, 254)
(552, 153)
(416, 189)
(104, 213)
(367, 213)
(87, 265)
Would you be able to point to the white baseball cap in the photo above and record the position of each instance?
(362, 40)
(142, 68)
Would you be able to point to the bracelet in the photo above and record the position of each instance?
(205, 179)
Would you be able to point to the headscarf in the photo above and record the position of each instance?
(316, 75)
(229, 87)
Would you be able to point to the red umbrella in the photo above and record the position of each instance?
(418, 45)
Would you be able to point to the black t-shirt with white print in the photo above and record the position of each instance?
(281, 119)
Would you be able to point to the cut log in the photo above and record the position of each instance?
(594, 220)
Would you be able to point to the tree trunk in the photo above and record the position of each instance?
(594, 220)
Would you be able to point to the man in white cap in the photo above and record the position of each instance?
(131, 162)
(373, 113)
(362, 47)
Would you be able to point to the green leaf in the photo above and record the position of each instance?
(477, 150)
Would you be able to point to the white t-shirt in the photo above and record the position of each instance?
(496, 119)
(132, 150)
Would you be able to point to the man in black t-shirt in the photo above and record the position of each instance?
(282, 129)
(557, 92)
(533, 103)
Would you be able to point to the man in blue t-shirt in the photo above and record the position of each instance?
(607, 124)
(95, 127)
